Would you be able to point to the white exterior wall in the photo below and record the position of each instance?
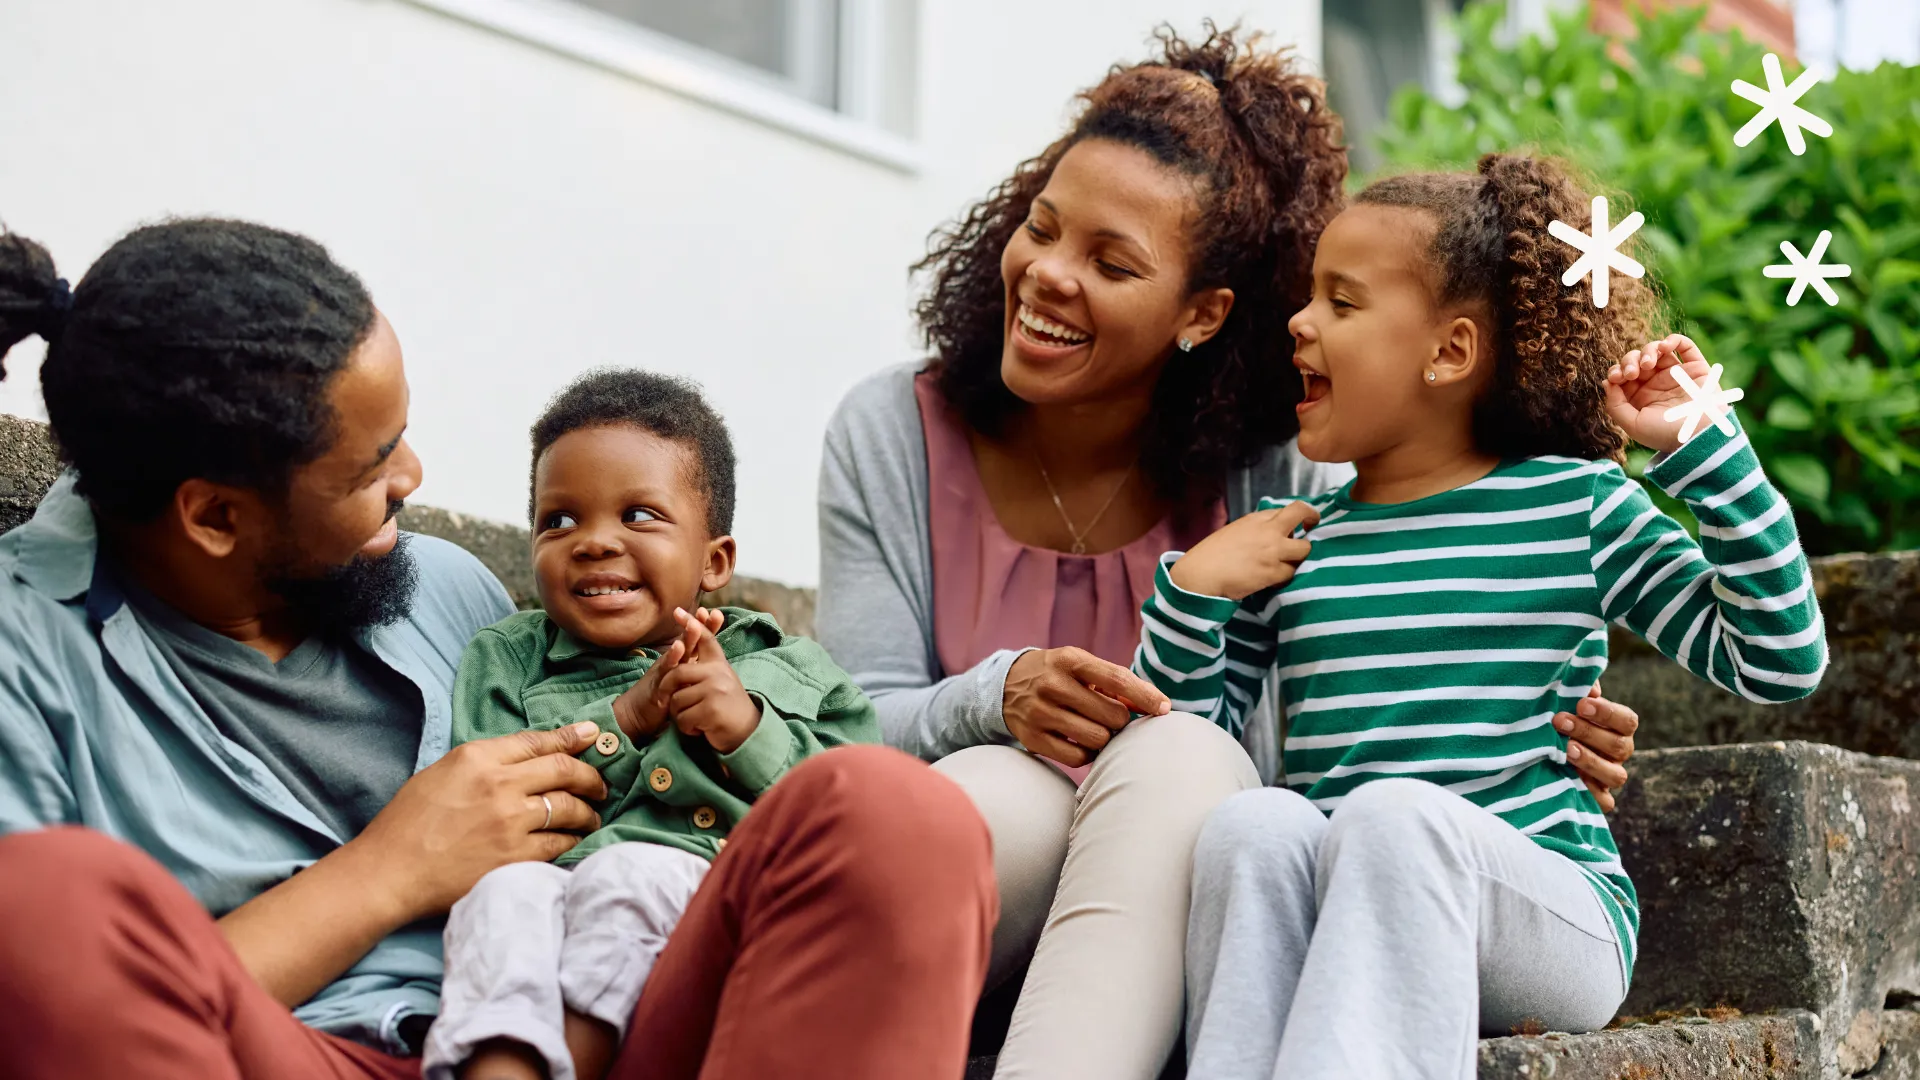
(522, 215)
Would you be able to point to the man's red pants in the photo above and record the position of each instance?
(843, 934)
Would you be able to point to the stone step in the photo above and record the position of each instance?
(1776, 876)
(1777, 1046)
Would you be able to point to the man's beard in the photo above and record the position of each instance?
(370, 591)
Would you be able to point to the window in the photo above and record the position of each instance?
(841, 72)
(792, 43)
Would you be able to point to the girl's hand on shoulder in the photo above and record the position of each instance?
(1641, 388)
(1258, 551)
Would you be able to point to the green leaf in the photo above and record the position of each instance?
(1790, 413)
(1803, 474)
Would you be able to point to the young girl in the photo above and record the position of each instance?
(1440, 610)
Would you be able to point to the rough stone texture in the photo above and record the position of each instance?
(1780, 1046)
(27, 467)
(1776, 876)
(503, 548)
(1900, 1058)
(1785, 1046)
(1868, 701)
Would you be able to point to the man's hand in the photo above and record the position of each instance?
(1255, 552)
(482, 806)
(478, 808)
(703, 692)
(1066, 703)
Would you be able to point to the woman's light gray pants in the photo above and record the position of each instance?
(532, 941)
(1382, 941)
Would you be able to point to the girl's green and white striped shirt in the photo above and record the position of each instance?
(1437, 638)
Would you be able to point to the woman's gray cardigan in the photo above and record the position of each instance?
(876, 575)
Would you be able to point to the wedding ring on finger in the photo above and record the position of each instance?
(548, 803)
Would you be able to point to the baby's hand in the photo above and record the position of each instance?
(642, 709)
(1256, 552)
(1641, 388)
(703, 692)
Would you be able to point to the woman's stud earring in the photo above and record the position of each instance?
(1186, 344)
(1433, 376)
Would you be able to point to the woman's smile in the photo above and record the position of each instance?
(1046, 338)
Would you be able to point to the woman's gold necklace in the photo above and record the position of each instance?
(1080, 535)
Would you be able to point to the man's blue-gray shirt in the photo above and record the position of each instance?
(96, 730)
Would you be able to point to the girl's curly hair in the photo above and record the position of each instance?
(1552, 347)
(1266, 154)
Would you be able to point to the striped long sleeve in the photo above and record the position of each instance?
(1208, 654)
(1437, 638)
(1737, 608)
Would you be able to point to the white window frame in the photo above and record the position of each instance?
(609, 42)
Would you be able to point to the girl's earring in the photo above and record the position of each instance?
(1433, 376)
(1186, 344)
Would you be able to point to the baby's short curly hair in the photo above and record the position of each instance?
(672, 408)
(1552, 347)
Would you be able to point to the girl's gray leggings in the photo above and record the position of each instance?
(1383, 941)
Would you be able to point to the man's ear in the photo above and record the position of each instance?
(212, 517)
(1207, 310)
(721, 554)
(1457, 358)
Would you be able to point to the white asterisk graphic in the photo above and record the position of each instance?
(1706, 402)
(1777, 103)
(1807, 270)
(1600, 250)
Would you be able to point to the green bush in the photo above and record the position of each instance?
(1833, 393)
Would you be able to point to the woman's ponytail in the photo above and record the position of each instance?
(33, 298)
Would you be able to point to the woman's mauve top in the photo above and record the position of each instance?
(877, 609)
(992, 592)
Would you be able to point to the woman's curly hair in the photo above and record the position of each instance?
(1552, 347)
(1268, 161)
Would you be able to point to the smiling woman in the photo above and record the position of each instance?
(1109, 382)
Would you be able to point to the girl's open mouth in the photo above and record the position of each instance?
(1317, 387)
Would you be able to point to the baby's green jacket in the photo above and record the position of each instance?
(525, 672)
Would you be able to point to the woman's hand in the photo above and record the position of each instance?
(1065, 704)
(1641, 388)
(1600, 740)
(1251, 553)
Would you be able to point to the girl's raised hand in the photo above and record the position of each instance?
(1255, 552)
(1641, 388)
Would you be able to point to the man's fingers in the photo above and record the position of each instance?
(548, 846)
(530, 744)
(1294, 551)
(570, 812)
(558, 772)
(1116, 682)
